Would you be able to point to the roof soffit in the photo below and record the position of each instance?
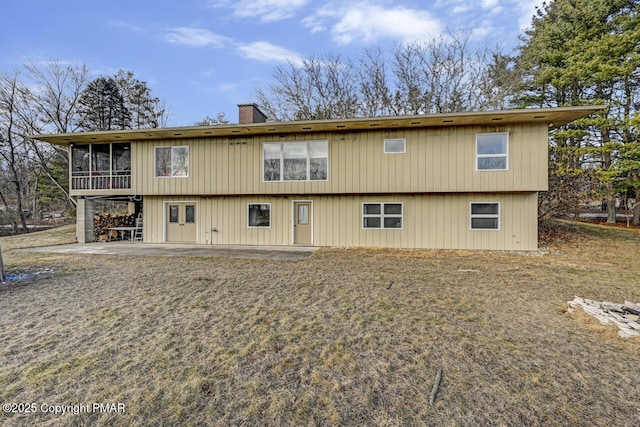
(553, 117)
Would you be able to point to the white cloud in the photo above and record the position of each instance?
(195, 37)
(489, 4)
(314, 23)
(259, 51)
(488, 21)
(460, 9)
(267, 52)
(369, 22)
(482, 32)
(453, 6)
(266, 10)
(526, 10)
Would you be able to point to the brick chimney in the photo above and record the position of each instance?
(250, 113)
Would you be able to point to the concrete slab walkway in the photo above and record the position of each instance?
(283, 253)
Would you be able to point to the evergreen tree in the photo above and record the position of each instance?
(50, 189)
(146, 110)
(119, 102)
(213, 121)
(102, 106)
(584, 52)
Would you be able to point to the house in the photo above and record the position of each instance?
(450, 181)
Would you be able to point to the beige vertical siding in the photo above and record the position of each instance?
(430, 221)
(436, 160)
(435, 180)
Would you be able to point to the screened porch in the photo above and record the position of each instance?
(101, 166)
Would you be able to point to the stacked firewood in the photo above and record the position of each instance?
(104, 221)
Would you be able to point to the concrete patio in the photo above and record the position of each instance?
(282, 253)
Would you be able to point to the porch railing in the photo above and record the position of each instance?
(100, 180)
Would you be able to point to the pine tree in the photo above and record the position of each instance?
(584, 52)
(213, 121)
(146, 110)
(102, 106)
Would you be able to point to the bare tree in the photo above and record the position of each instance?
(414, 87)
(322, 88)
(57, 88)
(15, 153)
(442, 74)
(373, 81)
(163, 118)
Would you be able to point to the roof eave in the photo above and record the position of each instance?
(554, 117)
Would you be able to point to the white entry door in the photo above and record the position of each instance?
(181, 222)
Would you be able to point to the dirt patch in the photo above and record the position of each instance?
(326, 340)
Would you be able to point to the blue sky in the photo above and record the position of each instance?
(206, 56)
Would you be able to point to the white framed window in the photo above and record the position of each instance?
(259, 215)
(295, 161)
(382, 215)
(484, 216)
(396, 145)
(492, 151)
(172, 162)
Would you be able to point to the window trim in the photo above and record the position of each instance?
(485, 156)
(382, 216)
(473, 216)
(155, 161)
(259, 227)
(404, 145)
(281, 159)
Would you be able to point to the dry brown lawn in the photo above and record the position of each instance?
(326, 340)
